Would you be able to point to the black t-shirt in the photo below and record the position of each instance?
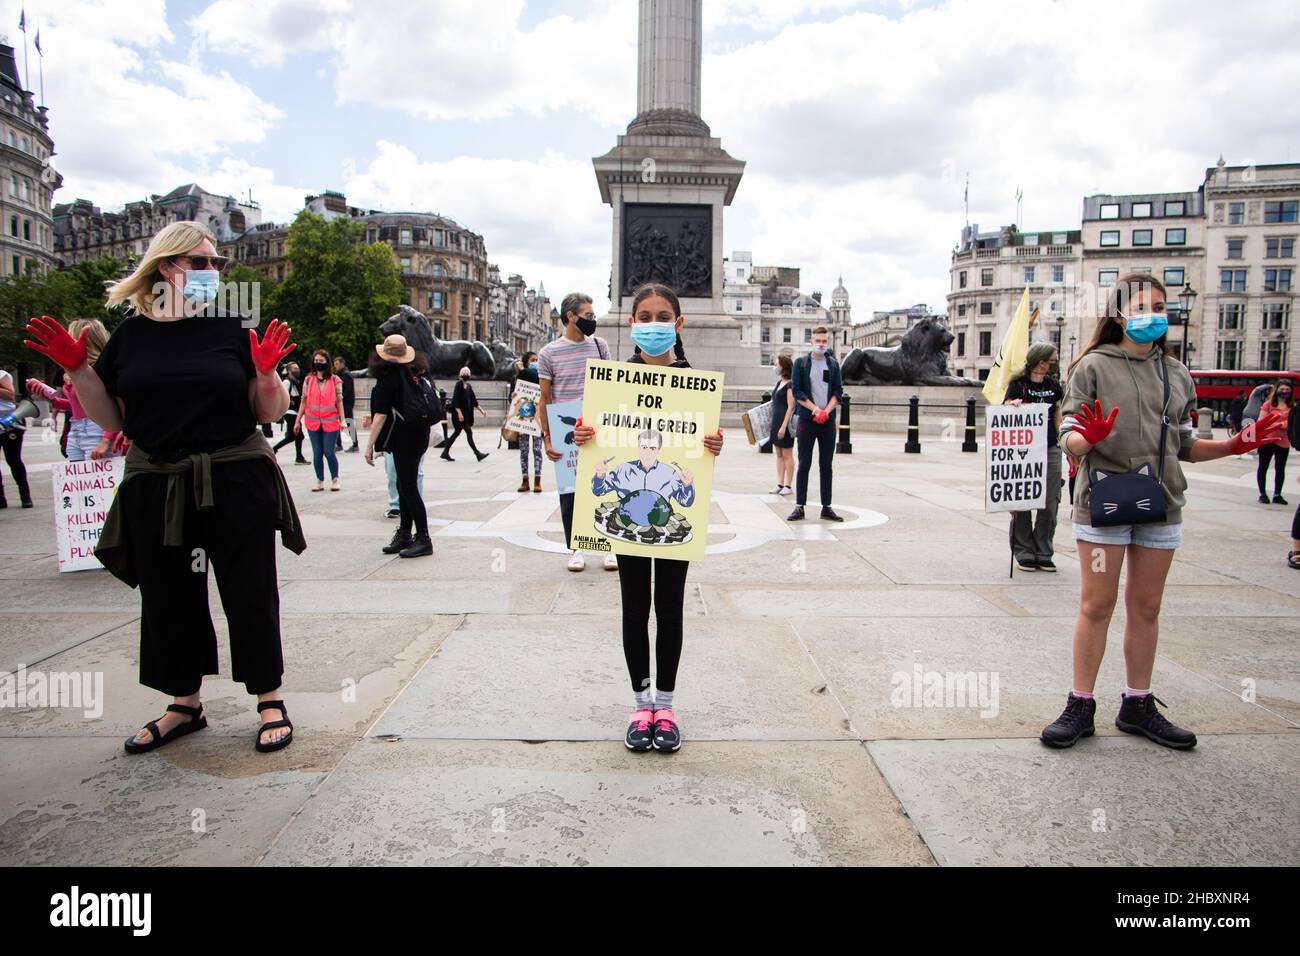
(676, 363)
(349, 392)
(1048, 392)
(184, 383)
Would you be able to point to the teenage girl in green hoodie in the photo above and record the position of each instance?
(1113, 412)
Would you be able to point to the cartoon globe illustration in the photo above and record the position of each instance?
(646, 508)
(527, 408)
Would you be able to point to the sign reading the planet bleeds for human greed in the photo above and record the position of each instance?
(83, 493)
(1016, 476)
(645, 480)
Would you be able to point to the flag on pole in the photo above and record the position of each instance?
(1011, 353)
(22, 20)
(38, 42)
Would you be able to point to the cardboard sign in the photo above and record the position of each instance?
(1016, 460)
(758, 424)
(83, 493)
(561, 419)
(644, 482)
(522, 414)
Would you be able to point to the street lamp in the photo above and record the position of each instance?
(1186, 299)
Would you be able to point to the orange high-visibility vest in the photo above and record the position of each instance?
(320, 407)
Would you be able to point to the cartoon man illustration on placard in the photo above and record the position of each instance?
(646, 488)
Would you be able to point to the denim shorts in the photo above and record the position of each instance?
(1165, 537)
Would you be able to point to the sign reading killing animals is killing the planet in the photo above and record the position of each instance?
(83, 493)
(644, 482)
(1016, 464)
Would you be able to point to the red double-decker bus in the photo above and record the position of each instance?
(1216, 388)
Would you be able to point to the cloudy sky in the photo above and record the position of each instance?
(859, 121)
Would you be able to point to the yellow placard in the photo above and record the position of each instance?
(644, 481)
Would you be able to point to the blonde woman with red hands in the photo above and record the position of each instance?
(1123, 395)
(188, 384)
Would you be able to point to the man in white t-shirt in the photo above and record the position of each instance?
(562, 374)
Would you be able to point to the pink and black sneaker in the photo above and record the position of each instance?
(639, 731)
(667, 736)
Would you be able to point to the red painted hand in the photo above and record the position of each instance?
(268, 352)
(53, 340)
(1092, 426)
(1270, 428)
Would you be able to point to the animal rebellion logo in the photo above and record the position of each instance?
(646, 488)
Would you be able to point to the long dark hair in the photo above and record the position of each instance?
(1108, 331)
(649, 289)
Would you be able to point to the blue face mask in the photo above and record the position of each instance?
(654, 338)
(533, 366)
(1144, 329)
(819, 349)
(201, 285)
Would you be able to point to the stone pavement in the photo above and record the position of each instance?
(469, 708)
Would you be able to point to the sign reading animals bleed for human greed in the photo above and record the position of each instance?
(83, 492)
(644, 481)
(1016, 473)
(522, 414)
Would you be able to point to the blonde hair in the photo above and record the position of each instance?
(137, 289)
(95, 341)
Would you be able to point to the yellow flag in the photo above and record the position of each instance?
(1011, 353)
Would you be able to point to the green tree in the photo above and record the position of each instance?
(339, 288)
(74, 293)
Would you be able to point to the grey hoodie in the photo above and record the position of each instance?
(1134, 384)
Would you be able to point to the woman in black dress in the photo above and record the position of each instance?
(463, 406)
(782, 436)
(398, 369)
(188, 384)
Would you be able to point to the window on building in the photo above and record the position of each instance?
(438, 271)
(1231, 315)
(767, 334)
(1029, 274)
(986, 343)
(1175, 237)
(1228, 355)
(986, 308)
(13, 184)
(1279, 248)
(1175, 207)
(406, 265)
(1277, 315)
(13, 228)
(1236, 248)
(1058, 273)
(437, 301)
(464, 270)
(27, 146)
(961, 309)
(739, 305)
(404, 236)
(986, 277)
(1107, 276)
(464, 302)
(1272, 355)
(1110, 211)
(961, 279)
(1110, 238)
(13, 140)
(437, 238)
(786, 335)
(961, 343)
(1141, 237)
(15, 269)
(1141, 210)
(1283, 211)
(27, 231)
(1277, 280)
(1236, 213)
(1232, 280)
(1173, 276)
(807, 334)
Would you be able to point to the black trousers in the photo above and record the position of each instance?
(178, 645)
(289, 436)
(824, 436)
(12, 443)
(669, 591)
(407, 446)
(566, 516)
(1271, 452)
(469, 436)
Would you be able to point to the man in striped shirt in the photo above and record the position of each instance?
(562, 373)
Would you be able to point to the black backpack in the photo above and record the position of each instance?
(420, 405)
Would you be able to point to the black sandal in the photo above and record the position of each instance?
(271, 725)
(1293, 559)
(196, 722)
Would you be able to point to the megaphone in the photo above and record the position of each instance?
(17, 419)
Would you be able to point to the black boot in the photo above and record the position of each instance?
(419, 547)
(401, 539)
(1138, 715)
(1075, 722)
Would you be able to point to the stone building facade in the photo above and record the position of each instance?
(27, 180)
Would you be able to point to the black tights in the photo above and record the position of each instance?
(669, 593)
(1276, 453)
(12, 443)
(469, 437)
(407, 446)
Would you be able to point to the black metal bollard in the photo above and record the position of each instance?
(845, 445)
(913, 446)
(765, 449)
(970, 444)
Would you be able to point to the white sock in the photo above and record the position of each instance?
(643, 700)
(663, 699)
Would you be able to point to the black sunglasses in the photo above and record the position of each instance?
(200, 263)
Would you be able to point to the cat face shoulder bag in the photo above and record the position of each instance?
(1132, 497)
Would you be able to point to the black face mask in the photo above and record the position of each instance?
(587, 326)
(319, 366)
